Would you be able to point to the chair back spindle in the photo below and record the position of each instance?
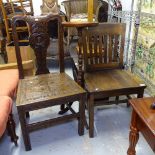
(103, 46)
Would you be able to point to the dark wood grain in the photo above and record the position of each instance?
(45, 89)
(143, 120)
(104, 76)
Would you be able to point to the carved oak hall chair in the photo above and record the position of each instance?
(45, 89)
(104, 75)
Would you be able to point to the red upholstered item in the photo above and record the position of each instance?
(8, 82)
(5, 109)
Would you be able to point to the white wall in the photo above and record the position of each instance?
(36, 5)
(126, 5)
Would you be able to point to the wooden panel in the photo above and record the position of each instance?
(149, 136)
(104, 43)
(110, 48)
(142, 107)
(105, 49)
(115, 47)
(46, 87)
(27, 53)
(115, 79)
(100, 49)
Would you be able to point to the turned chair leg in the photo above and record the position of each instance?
(27, 114)
(64, 109)
(11, 129)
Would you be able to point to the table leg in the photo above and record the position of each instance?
(134, 135)
(24, 129)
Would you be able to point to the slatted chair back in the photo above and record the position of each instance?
(103, 46)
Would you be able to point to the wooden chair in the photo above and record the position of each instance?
(104, 73)
(45, 89)
(15, 7)
(9, 9)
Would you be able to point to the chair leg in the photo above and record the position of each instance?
(91, 115)
(64, 109)
(117, 99)
(82, 119)
(11, 129)
(27, 115)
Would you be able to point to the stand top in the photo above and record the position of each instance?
(79, 24)
(142, 108)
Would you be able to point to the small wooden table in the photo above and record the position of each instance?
(143, 120)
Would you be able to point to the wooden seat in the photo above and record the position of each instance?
(47, 89)
(104, 76)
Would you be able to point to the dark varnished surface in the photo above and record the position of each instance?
(111, 79)
(46, 87)
(103, 52)
(142, 108)
(143, 120)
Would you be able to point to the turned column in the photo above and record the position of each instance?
(134, 135)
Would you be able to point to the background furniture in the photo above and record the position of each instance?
(50, 6)
(12, 8)
(143, 120)
(9, 9)
(76, 10)
(7, 92)
(104, 75)
(46, 90)
(9, 88)
(6, 118)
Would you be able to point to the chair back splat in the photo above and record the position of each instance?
(39, 41)
(103, 47)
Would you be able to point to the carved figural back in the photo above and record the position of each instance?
(38, 39)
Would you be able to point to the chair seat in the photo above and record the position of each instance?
(47, 87)
(6, 106)
(8, 82)
(111, 80)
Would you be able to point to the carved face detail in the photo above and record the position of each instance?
(50, 3)
(39, 41)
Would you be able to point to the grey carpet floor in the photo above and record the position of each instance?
(111, 133)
